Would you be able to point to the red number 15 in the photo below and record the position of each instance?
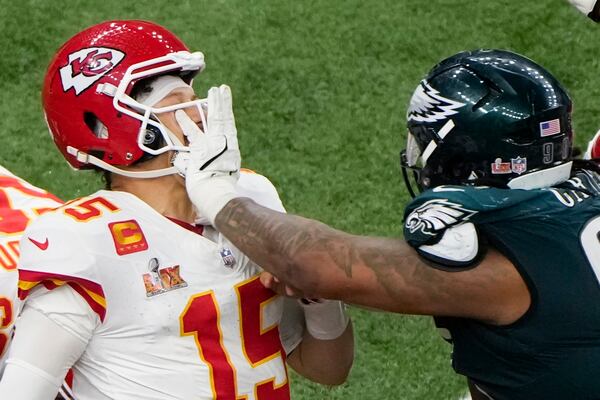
(5, 321)
(259, 346)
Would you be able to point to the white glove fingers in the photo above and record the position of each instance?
(214, 108)
(228, 116)
(225, 92)
(189, 127)
(215, 157)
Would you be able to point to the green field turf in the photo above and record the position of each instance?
(320, 91)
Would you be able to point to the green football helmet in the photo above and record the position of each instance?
(488, 117)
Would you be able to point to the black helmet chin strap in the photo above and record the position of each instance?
(407, 181)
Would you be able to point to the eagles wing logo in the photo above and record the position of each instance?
(435, 215)
(426, 105)
(86, 66)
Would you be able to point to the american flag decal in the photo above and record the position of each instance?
(550, 128)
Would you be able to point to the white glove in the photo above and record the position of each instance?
(214, 161)
(585, 6)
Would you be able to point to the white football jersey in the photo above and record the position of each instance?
(181, 316)
(20, 203)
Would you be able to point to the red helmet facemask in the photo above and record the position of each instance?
(86, 95)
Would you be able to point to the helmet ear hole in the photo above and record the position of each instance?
(153, 138)
(96, 126)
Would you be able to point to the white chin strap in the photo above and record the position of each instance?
(89, 159)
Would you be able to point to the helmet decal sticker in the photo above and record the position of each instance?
(436, 215)
(518, 165)
(549, 128)
(86, 66)
(500, 167)
(432, 145)
(473, 176)
(548, 153)
(427, 105)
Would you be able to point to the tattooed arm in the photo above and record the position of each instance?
(375, 272)
(323, 262)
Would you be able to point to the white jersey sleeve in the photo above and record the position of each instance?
(53, 255)
(260, 189)
(32, 360)
(67, 309)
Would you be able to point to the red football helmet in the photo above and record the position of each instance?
(593, 148)
(86, 94)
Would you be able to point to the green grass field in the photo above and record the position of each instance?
(320, 90)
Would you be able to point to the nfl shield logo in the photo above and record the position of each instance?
(227, 257)
(518, 165)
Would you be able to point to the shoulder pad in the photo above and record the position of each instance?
(49, 242)
(260, 189)
(6, 172)
(428, 220)
(53, 255)
(431, 213)
(458, 248)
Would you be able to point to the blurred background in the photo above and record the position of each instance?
(320, 94)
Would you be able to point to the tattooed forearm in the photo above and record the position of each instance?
(307, 253)
(280, 242)
(377, 272)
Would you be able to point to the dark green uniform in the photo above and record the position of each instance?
(552, 236)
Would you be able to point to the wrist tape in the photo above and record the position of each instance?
(325, 319)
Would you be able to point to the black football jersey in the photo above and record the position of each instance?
(552, 236)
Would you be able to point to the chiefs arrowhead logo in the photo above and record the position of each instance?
(42, 245)
(86, 66)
